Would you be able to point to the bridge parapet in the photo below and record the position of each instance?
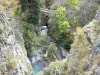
(46, 11)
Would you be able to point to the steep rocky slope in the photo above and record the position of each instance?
(84, 57)
(13, 55)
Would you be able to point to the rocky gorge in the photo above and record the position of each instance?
(13, 55)
(46, 46)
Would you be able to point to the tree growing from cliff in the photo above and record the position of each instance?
(33, 9)
(60, 30)
(74, 3)
(61, 20)
(81, 49)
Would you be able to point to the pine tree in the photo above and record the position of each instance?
(33, 8)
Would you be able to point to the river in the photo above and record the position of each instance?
(38, 66)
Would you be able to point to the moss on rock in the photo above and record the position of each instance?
(57, 67)
(51, 52)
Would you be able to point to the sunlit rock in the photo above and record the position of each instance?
(13, 55)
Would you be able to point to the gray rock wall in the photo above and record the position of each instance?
(13, 55)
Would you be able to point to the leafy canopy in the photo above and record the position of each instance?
(61, 20)
(74, 3)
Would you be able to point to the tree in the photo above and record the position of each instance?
(59, 28)
(30, 13)
(61, 20)
(33, 8)
(74, 3)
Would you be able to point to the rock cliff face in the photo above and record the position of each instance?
(84, 57)
(13, 55)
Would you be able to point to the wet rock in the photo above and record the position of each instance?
(97, 45)
(97, 71)
(64, 52)
(97, 15)
(44, 33)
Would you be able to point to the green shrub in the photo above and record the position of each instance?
(59, 66)
(67, 44)
(74, 3)
(51, 51)
(33, 8)
(61, 20)
(59, 28)
(29, 38)
(40, 41)
(28, 26)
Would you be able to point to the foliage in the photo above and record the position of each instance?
(84, 45)
(18, 11)
(28, 37)
(87, 12)
(74, 3)
(6, 5)
(42, 3)
(15, 9)
(31, 41)
(29, 27)
(65, 36)
(51, 51)
(82, 53)
(48, 3)
(67, 44)
(81, 49)
(57, 67)
(40, 41)
(66, 39)
(61, 20)
(59, 28)
(33, 10)
(94, 28)
(74, 21)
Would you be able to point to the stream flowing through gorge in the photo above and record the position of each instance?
(37, 62)
(36, 59)
(38, 66)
